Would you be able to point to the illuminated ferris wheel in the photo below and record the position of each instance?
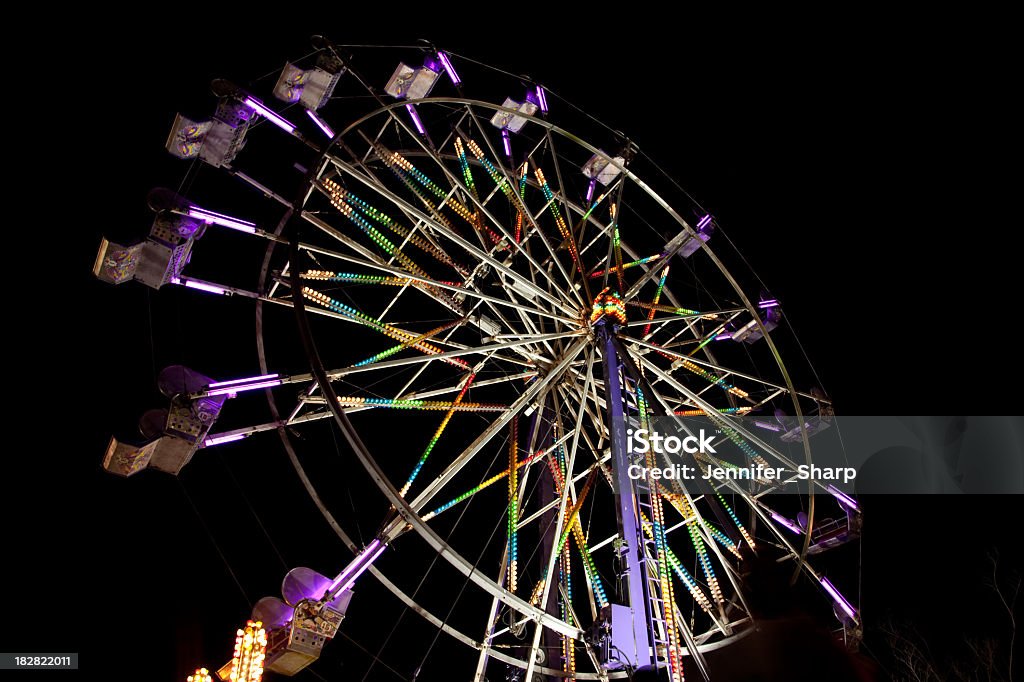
(506, 303)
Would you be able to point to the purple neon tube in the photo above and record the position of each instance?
(843, 498)
(449, 69)
(783, 521)
(321, 123)
(247, 380)
(201, 286)
(359, 561)
(839, 599)
(217, 440)
(269, 114)
(416, 119)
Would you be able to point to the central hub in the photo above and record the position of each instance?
(608, 304)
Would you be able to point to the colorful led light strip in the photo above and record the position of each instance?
(739, 526)
(321, 124)
(617, 246)
(571, 516)
(558, 475)
(496, 175)
(685, 312)
(467, 174)
(681, 504)
(661, 547)
(327, 276)
(418, 193)
(690, 366)
(722, 410)
(574, 513)
(724, 540)
(626, 266)
(383, 328)
(513, 505)
(399, 404)
(467, 171)
(523, 175)
(657, 297)
(407, 344)
(568, 647)
(383, 219)
(563, 228)
(397, 162)
(489, 482)
(437, 435)
(677, 567)
(268, 114)
(705, 342)
(337, 199)
(747, 449)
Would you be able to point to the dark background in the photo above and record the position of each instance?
(856, 160)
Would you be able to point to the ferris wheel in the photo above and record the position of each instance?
(490, 306)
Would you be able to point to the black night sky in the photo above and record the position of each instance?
(854, 161)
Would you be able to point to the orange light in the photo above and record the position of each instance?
(250, 650)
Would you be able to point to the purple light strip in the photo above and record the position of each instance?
(505, 140)
(839, 599)
(374, 546)
(247, 380)
(783, 521)
(219, 215)
(202, 286)
(590, 189)
(704, 221)
(320, 123)
(231, 390)
(362, 569)
(843, 498)
(416, 119)
(768, 426)
(269, 114)
(222, 220)
(542, 100)
(723, 336)
(217, 440)
(770, 303)
(449, 69)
